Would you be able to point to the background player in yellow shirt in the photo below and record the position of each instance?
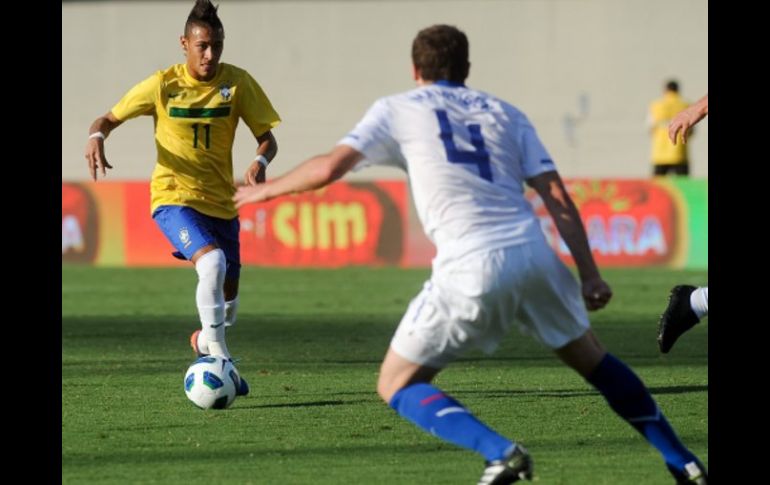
(196, 107)
(666, 157)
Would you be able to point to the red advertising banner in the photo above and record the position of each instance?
(343, 224)
(79, 225)
(628, 222)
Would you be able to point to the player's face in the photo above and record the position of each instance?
(203, 47)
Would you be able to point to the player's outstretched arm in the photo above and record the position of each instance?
(267, 148)
(550, 188)
(687, 118)
(311, 174)
(99, 130)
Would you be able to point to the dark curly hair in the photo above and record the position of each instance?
(203, 13)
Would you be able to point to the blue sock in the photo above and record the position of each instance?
(628, 397)
(440, 415)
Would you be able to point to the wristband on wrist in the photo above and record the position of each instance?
(262, 160)
(98, 134)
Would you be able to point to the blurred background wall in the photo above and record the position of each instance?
(584, 71)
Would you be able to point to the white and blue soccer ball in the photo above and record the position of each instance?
(210, 382)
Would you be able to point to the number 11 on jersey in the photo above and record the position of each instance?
(207, 129)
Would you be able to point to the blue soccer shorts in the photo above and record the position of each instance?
(189, 230)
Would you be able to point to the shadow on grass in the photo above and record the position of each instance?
(338, 339)
(303, 404)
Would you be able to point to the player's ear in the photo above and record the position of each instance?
(183, 43)
(415, 73)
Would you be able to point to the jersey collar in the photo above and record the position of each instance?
(450, 84)
(195, 82)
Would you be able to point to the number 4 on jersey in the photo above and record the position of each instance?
(478, 157)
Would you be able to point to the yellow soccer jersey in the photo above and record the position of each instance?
(195, 125)
(662, 111)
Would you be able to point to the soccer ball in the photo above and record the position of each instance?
(210, 382)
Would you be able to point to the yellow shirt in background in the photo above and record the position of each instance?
(195, 125)
(661, 112)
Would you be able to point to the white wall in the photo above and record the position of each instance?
(322, 63)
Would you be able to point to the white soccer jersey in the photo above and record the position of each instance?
(467, 154)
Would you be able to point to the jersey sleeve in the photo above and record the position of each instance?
(373, 138)
(255, 109)
(534, 157)
(139, 100)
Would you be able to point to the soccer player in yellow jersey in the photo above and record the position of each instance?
(196, 107)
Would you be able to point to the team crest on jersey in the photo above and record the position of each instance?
(184, 236)
(225, 92)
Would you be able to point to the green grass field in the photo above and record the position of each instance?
(310, 343)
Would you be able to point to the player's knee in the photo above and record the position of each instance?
(389, 384)
(211, 267)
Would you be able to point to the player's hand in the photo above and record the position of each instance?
(255, 174)
(596, 293)
(684, 121)
(680, 124)
(247, 194)
(95, 157)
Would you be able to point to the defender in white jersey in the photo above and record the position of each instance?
(467, 155)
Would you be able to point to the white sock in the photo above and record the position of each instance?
(210, 298)
(231, 312)
(699, 301)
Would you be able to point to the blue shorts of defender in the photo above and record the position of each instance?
(189, 230)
